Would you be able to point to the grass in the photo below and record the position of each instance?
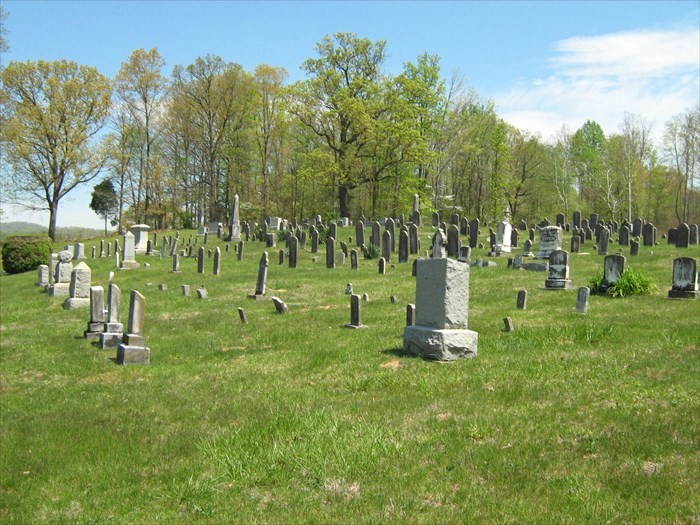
(293, 418)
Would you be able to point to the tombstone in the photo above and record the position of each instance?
(531, 234)
(613, 268)
(575, 244)
(149, 247)
(593, 222)
(403, 246)
(527, 249)
(140, 233)
(577, 219)
(314, 239)
(551, 238)
(381, 265)
(508, 324)
(79, 251)
(186, 291)
(217, 261)
(359, 233)
(390, 226)
(354, 263)
(386, 245)
(558, 271)
(111, 335)
(42, 275)
(672, 235)
(582, 299)
(200, 259)
(514, 235)
(544, 223)
(79, 289)
(439, 241)
(453, 241)
(355, 313)
(262, 277)
(410, 314)
(503, 237)
(436, 219)
(280, 305)
(634, 247)
(464, 226)
(693, 230)
(465, 254)
(129, 261)
(603, 241)
(473, 233)
(624, 239)
(330, 253)
(293, 245)
(96, 325)
(133, 349)
(685, 279)
(163, 287)
(202, 292)
(682, 236)
(648, 234)
(243, 317)
(441, 329)
(522, 300)
(637, 227)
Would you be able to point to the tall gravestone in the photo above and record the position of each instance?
(682, 236)
(648, 234)
(386, 245)
(96, 325)
(79, 287)
(112, 332)
(293, 245)
(235, 221)
(330, 253)
(624, 239)
(217, 261)
(62, 276)
(129, 260)
(140, 232)
(42, 275)
(133, 349)
(453, 241)
(685, 279)
(473, 233)
(558, 278)
(503, 237)
(403, 245)
(262, 277)
(603, 241)
(442, 312)
(359, 233)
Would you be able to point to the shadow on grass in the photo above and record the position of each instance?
(398, 352)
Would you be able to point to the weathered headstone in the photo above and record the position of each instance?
(514, 235)
(355, 313)
(473, 233)
(624, 239)
(634, 247)
(503, 237)
(386, 245)
(436, 219)
(527, 249)
(410, 314)
(79, 287)
(280, 305)
(243, 317)
(129, 260)
(354, 263)
(603, 241)
(685, 279)
(111, 335)
(577, 219)
(381, 265)
(200, 259)
(359, 233)
(693, 230)
(96, 325)
(79, 251)
(140, 233)
(133, 349)
(558, 271)
(648, 234)
(330, 253)
(403, 245)
(62, 276)
(262, 277)
(293, 245)
(582, 299)
(682, 236)
(186, 291)
(453, 241)
(522, 300)
(42, 275)
(217, 261)
(575, 244)
(551, 238)
(442, 311)
(613, 268)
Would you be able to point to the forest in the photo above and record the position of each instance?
(349, 139)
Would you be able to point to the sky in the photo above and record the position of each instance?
(544, 64)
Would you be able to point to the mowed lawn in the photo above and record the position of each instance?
(294, 418)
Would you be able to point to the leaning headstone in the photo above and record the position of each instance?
(96, 325)
(111, 335)
(558, 271)
(262, 278)
(79, 287)
(685, 279)
(551, 238)
(243, 317)
(176, 263)
(442, 312)
(202, 292)
(173, 246)
(582, 299)
(129, 260)
(280, 305)
(133, 349)
(509, 326)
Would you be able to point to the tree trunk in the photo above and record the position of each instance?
(53, 214)
(344, 200)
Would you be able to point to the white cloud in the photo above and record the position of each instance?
(653, 74)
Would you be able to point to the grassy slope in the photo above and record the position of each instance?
(570, 419)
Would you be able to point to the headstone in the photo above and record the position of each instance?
(129, 260)
(575, 244)
(333, 230)
(102, 248)
(503, 237)
(133, 349)
(149, 247)
(403, 246)
(186, 290)
(603, 241)
(436, 219)
(111, 335)
(465, 254)
(693, 229)
(442, 311)
(96, 325)
(163, 287)
(355, 313)
(330, 253)
(634, 247)
(200, 259)
(202, 292)
(522, 300)
(558, 271)
(239, 252)
(359, 233)
(386, 245)
(280, 305)
(140, 232)
(682, 236)
(551, 238)
(262, 277)
(242, 316)
(382, 266)
(410, 314)
(390, 226)
(613, 268)
(637, 227)
(439, 241)
(473, 233)
(648, 234)
(577, 219)
(79, 287)
(453, 241)
(217, 261)
(514, 235)
(527, 249)
(79, 251)
(314, 239)
(672, 235)
(685, 279)
(293, 245)
(509, 326)
(413, 242)
(43, 275)
(354, 263)
(624, 239)
(593, 221)
(582, 299)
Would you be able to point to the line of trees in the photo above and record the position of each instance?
(348, 140)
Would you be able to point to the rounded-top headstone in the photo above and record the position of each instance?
(65, 256)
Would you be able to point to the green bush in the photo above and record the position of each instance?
(23, 253)
(631, 282)
(371, 251)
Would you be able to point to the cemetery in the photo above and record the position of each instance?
(156, 401)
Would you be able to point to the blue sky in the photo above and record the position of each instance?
(544, 64)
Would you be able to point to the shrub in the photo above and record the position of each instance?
(23, 253)
(371, 251)
(631, 282)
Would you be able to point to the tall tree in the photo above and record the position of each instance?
(682, 147)
(53, 112)
(588, 151)
(635, 153)
(104, 201)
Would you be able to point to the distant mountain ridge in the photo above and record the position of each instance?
(29, 228)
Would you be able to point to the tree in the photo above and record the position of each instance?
(105, 201)
(53, 112)
(588, 147)
(682, 147)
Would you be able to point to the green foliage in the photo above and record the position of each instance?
(596, 283)
(371, 251)
(23, 254)
(632, 282)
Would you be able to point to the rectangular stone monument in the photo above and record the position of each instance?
(442, 312)
(129, 261)
(140, 232)
(79, 287)
(133, 349)
(582, 299)
(558, 271)
(96, 325)
(62, 276)
(262, 278)
(42, 275)
(685, 279)
(613, 268)
(355, 312)
(551, 238)
(113, 330)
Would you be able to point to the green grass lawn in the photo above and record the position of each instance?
(294, 418)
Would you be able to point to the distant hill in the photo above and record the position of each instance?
(28, 228)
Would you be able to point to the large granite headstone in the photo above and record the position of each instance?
(79, 287)
(133, 349)
(685, 279)
(551, 238)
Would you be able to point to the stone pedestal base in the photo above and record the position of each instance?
(59, 289)
(683, 294)
(110, 339)
(133, 355)
(129, 265)
(557, 284)
(440, 345)
(94, 330)
(258, 297)
(75, 302)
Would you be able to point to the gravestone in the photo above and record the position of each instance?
(465, 254)
(354, 264)
(613, 268)
(634, 247)
(413, 242)
(133, 349)
(514, 235)
(79, 287)
(575, 244)
(693, 230)
(330, 253)
(111, 335)
(332, 230)
(560, 220)
(79, 251)
(271, 240)
(140, 232)
(243, 317)
(503, 237)
(464, 226)
(202, 292)
(217, 261)
(376, 235)
(176, 263)
(129, 260)
(637, 227)
(577, 219)
(355, 313)
(453, 241)
(403, 246)
(410, 314)
(381, 266)
(593, 221)
(186, 291)
(522, 300)
(314, 239)
(262, 278)
(648, 234)
(102, 248)
(200, 259)
(239, 252)
(527, 249)
(685, 279)
(293, 245)
(582, 299)
(558, 271)
(436, 219)
(442, 312)
(62, 276)
(390, 226)
(682, 236)
(672, 236)
(359, 233)
(551, 238)
(386, 245)
(603, 241)
(42, 275)
(624, 239)
(280, 305)
(473, 233)
(96, 325)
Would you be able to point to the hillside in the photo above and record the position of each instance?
(27, 228)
